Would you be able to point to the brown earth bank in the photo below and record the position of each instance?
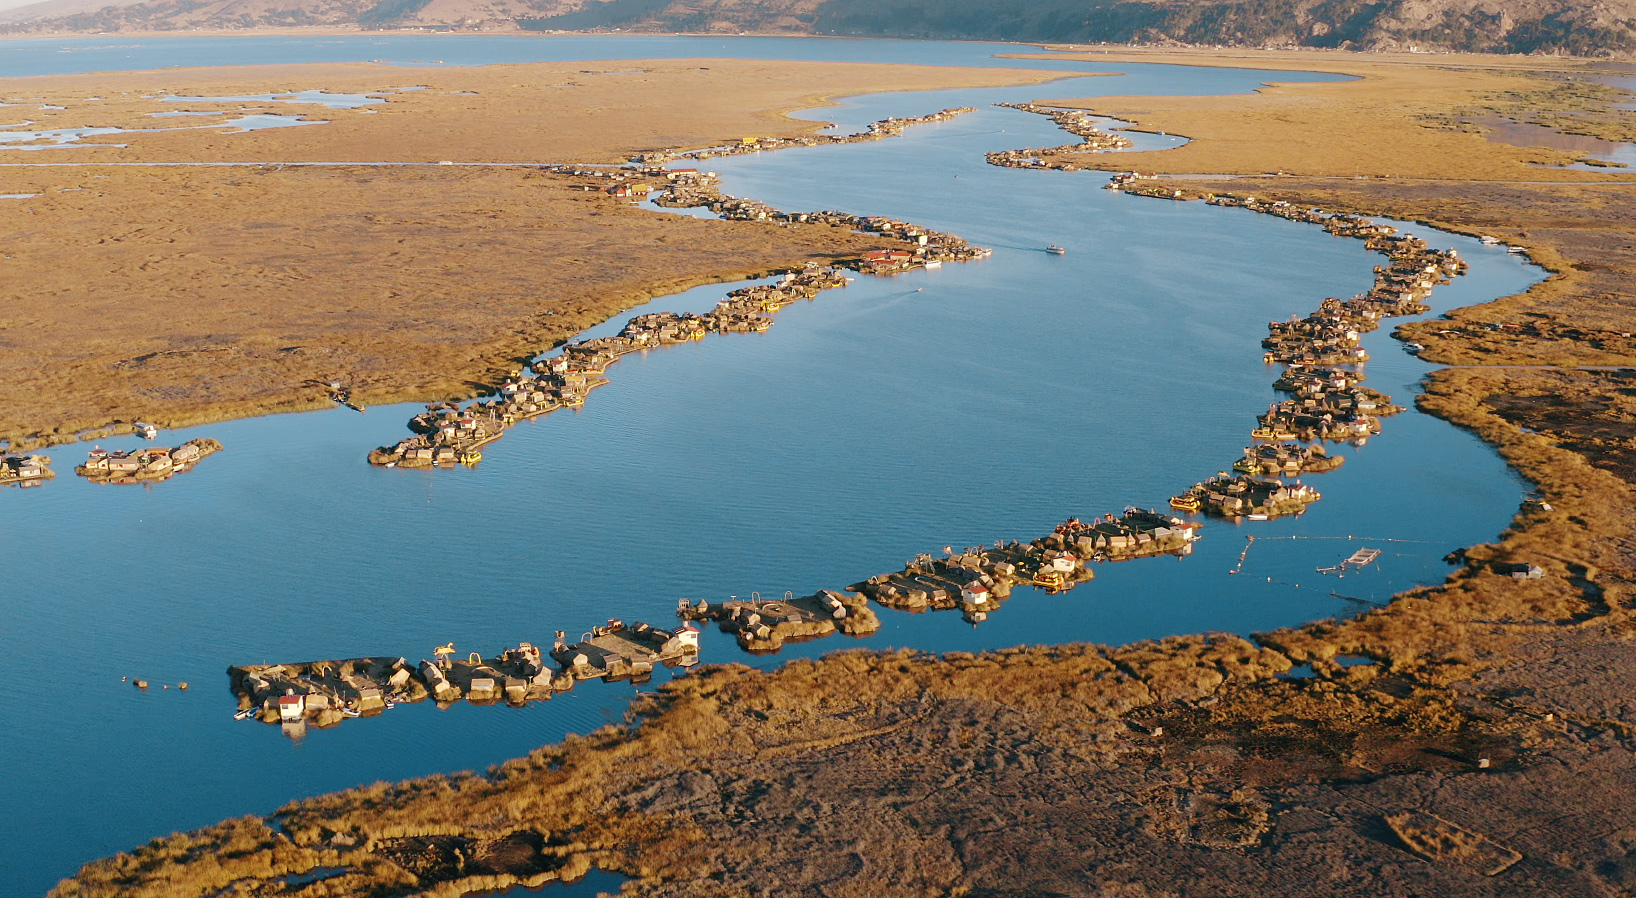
(1473, 738)
(184, 294)
(1484, 749)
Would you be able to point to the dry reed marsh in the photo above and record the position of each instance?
(182, 295)
(1396, 121)
(1190, 766)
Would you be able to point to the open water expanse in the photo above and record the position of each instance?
(981, 401)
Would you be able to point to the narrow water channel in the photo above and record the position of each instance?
(982, 401)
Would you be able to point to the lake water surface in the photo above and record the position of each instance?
(982, 401)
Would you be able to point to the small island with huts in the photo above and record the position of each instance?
(147, 464)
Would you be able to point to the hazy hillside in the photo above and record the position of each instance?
(1581, 27)
(164, 15)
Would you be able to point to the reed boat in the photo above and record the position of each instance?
(1185, 503)
(1051, 580)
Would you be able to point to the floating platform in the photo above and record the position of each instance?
(764, 625)
(149, 464)
(25, 470)
(617, 651)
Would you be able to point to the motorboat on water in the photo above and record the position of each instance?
(1055, 250)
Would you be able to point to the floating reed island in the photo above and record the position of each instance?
(1287, 459)
(1092, 139)
(449, 434)
(764, 625)
(25, 470)
(146, 465)
(976, 580)
(973, 580)
(887, 127)
(1249, 497)
(323, 693)
(1323, 373)
(1324, 362)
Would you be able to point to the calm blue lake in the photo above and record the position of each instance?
(982, 401)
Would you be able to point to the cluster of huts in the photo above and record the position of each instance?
(1249, 496)
(1138, 184)
(25, 470)
(324, 693)
(764, 625)
(888, 127)
(745, 310)
(449, 434)
(1277, 458)
(973, 580)
(1323, 356)
(147, 464)
(1321, 353)
(976, 580)
(1077, 122)
(917, 247)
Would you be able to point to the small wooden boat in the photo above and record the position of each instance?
(1055, 250)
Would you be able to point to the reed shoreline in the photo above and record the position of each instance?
(1411, 750)
(431, 330)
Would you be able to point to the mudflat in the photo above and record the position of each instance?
(180, 294)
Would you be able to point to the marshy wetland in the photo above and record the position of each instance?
(980, 401)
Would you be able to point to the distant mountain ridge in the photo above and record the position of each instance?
(1577, 27)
